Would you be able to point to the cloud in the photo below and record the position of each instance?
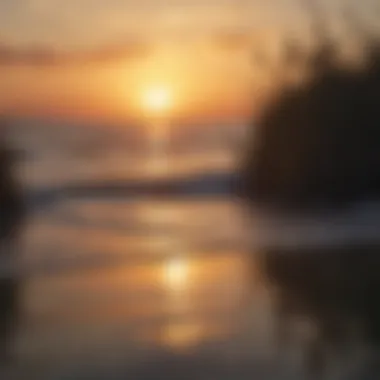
(69, 23)
(36, 56)
(232, 40)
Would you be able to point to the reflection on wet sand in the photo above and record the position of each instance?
(12, 218)
(179, 302)
(328, 300)
(181, 306)
(324, 311)
(9, 310)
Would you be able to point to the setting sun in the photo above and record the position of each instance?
(176, 273)
(157, 99)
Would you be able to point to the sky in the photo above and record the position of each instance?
(78, 23)
(94, 58)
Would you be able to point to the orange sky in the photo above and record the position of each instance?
(203, 80)
(93, 59)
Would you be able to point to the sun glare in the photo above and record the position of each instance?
(176, 273)
(157, 99)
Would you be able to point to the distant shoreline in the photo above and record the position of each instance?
(196, 185)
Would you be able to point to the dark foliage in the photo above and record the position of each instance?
(12, 206)
(339, 299)
(319, 143)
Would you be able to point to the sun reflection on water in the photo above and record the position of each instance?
(158, 140)
(181, 336)
(179, 333)
(160, 215)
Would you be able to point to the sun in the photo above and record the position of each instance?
(157, 99)
(176, 273)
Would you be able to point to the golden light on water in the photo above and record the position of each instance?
(157, 101)
(180, 336)
(161, 215)
(176, 277)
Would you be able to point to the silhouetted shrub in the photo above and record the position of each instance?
(319, 143)
(12, 206)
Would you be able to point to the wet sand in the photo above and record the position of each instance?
(149, 290)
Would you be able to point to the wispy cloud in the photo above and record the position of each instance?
(49, 57)
(68, 23)
(227, 40)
